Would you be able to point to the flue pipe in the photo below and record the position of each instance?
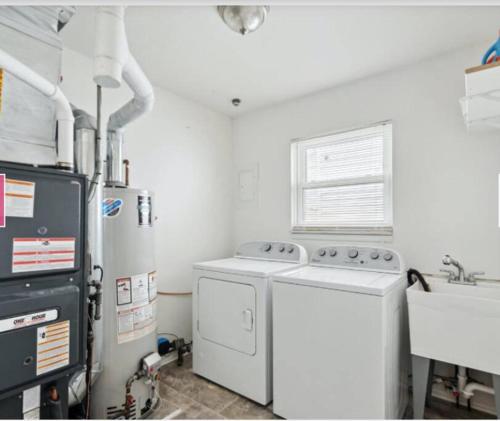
(64, 114)
(113, 61)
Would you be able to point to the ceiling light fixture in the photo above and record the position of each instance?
(243, 19)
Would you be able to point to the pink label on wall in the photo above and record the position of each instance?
(2, 200)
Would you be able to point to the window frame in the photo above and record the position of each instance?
(298, 184)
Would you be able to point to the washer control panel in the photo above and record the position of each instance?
(273, 250)
(361, 258)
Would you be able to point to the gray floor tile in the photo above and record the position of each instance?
(198, 398)
(242, 408)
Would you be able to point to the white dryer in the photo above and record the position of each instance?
(340, 347)
(232, 316)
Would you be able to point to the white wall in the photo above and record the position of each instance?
(183, 152)
(445, 180)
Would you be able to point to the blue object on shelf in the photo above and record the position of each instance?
(493, 53)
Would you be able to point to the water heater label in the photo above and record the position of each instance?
(19, 198)
(152, 286)
(135, 309)
(123, 291)
(111, 207)
(38, 254)
(52, 347)
(140, 289)
(24, 320)
(144, 209)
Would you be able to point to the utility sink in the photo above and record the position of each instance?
(459, 324)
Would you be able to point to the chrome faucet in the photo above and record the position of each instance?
(459, 278)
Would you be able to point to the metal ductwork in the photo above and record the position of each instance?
(30, 65)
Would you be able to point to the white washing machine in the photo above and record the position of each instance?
(232, 316)
(340, 347)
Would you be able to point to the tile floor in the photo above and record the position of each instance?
(184, 395)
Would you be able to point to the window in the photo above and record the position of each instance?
(342, 182)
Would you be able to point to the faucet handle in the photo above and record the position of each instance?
(451, 275)
(446, 260)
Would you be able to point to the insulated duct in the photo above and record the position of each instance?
(64, 115)
(113, 61)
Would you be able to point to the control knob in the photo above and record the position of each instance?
(388, 257)
(291, 249)
(353, 253)
(374, 255)
(267, 247)
(322, 252)
(282, 248)
(333, 253)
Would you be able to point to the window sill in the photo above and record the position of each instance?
(347, 231)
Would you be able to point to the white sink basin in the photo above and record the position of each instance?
(459, 324)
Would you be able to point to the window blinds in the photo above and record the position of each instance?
(341, 179)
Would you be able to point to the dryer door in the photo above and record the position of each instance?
(226, 314)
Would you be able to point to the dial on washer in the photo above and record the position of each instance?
(353, 253)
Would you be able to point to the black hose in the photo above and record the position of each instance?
(414, 273)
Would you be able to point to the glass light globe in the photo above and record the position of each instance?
(243, 19)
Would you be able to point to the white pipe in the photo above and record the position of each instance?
(111, 48)
(141, 103)
(64, 114)
(113, 61)
(467, 389)
(462, 378)
(473, 387)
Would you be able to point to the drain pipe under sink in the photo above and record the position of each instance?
(467, 389)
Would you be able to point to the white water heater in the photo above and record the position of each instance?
(127, 385)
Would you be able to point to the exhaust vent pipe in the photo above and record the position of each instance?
(112, 63)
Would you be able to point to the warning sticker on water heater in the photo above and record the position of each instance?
(52, 347)
(37, 254)
(152, 286)
(123, 291)
(135, 312)
(140, 289)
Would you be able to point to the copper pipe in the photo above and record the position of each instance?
(53, 394)
(174, 293)
(126, 162)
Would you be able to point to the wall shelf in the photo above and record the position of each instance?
(481, 103)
